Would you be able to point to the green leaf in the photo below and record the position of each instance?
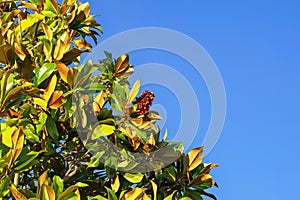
(170, 197)
(51, 128)
(95, 160)
(58, 185)
(186, 198)
(4, 184)
(42, 121)
(30, 133)
(44, 72)
(134, 178)
(98, 197)
(111, 194)
(49, 9)
(102, 130)
(26, 159)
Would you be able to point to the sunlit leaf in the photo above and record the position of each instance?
(134, 194)
(154, 188)
(102, 130)
(133, 178)
(195, 158)
(44, 72)
(134, 91)
(82, 44)
(115, 185)
(16, 194)
(122, 63)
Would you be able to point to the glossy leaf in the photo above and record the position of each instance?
(133, 178)
(134, 91)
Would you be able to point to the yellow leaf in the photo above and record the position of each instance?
(85, 8)
(50, 88)
(208, 168)
(134, 91)
(40, 102)
(19, 51)
(47, 31)
(152, 140)
(126, 133)
(82, 44)
(42, 180)
(48, 193)
(17, 144)
(62, 70)
(154, 187)
(16, 194)
(195, 158)
(134, 178)
(134, 194)
(99, 101)
(7, 136)
(170, 197)
(59, 50)
(102, 130)
(146, 197)
(122, 63)
(56, 100)
(115, 185)
(77, 194)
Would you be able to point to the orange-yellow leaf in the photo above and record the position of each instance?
(85, 8)
(50, 88)
(195, 158)
(122, 63)
(63, 70)
(16, 194)
(48, 193)
(56, 100)
(17, 144)
(82, 44)
(134, 194)
(99, 101)
(47, 31)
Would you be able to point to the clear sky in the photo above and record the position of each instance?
(256, 46)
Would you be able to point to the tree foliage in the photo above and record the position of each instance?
(68, 132)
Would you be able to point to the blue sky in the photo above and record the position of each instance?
(256, 46)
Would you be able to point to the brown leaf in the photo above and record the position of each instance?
(56, 100)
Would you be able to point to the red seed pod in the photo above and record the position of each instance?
(144, 101)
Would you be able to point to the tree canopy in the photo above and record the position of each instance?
(80, 131)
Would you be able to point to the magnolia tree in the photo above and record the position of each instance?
(71, 131)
